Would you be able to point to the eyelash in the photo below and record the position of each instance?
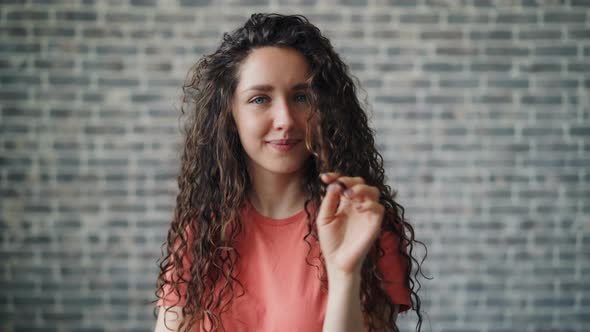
(252, 101)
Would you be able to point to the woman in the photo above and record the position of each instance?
(260, 241)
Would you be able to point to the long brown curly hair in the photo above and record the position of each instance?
(213, 180)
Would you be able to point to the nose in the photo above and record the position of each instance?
(283, 116)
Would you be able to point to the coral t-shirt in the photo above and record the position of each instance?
(281, 289)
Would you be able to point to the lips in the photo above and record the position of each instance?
(284, 141)
(284, 145)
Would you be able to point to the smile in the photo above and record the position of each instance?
(283, 146)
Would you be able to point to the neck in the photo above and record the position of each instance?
(277, 196)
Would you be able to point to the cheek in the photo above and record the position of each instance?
(252, 128)
(302, 121)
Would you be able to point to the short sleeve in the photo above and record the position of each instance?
(394, 269)
(169, 296)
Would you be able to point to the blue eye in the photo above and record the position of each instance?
(258, 98)
(304, 100)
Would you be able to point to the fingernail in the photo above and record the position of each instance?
(348, 193)
(333, 188)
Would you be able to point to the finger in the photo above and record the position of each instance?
(350, 181)
(329, 205)
(370, 206)
(329, 176)
(362, 191)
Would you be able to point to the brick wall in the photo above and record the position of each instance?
(480, 109)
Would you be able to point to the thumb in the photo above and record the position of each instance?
(329, 205)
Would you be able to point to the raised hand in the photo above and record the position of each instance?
(348, 222)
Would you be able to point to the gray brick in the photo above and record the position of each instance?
(416, 18)
(540, 67)
(507, 51)
(28, 328)
(536, 131)
(62, 317)
(69, 80)
(33, 301)
(299, 2)
(20, 80)
(552, 100)
(125, 18)
(583, 34)
(442, 67)
(459, 83)
(108, 130)
(457, 51)
(71, 15)
(455, 131)
(442, 35)
(497, 131)
(443, 99)
(54, 32)
(64, 47)
(119, 50)
(142, 3)
(413, 51)
(168, 19)
(577, 67)
(556, 51)
(491, 35)
(110, 65)
(164, 83)
(20, 48)
(354, 2)
(85, 302)
(492, 99)
(95, 32)
(538, 3)
(323, 18)
(463, 18)
(13, 95)
(13, 31)
(27, 15)
(54, 64)
(400, 3)
(380, 18)
(508, 83)
(153, 50)
(490, 67)
(483, 3)
(565, 17)
(511, 18)
(579, 131)
(395, 99)
(122, 82)
(557, 83)
(539, 34)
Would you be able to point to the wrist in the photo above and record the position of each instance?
(337, 277)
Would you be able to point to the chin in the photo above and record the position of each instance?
(274, 166)
(285, 170)
(282, 168)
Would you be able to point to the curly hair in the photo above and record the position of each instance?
(213, 179)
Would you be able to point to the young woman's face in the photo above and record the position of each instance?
(270, 109)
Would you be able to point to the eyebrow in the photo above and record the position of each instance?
(267, 87)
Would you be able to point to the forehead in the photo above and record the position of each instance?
(276, 66)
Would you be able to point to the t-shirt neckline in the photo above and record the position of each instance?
(271, 221)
